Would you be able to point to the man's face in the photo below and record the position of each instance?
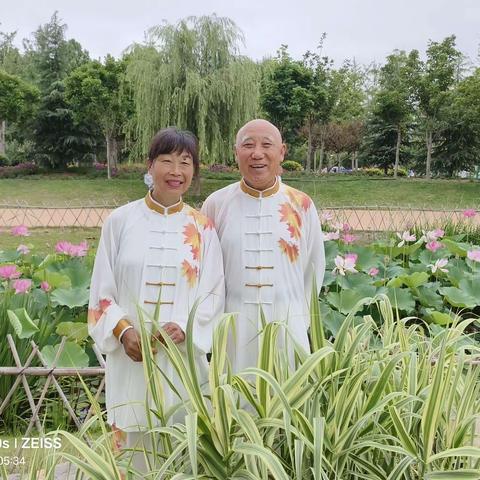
(259, 152)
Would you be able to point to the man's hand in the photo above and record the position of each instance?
(173, 330)
(132, 345)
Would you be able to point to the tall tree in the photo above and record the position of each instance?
(460, 145)
(433, 80)
(10, 56)
(51, 58)
(393, 102)
(98, 94)
(284, 93)
(191, 75)
(59, 139)
(17, 99)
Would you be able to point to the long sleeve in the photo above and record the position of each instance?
(103, 310)
(210, 292)
(315, 258)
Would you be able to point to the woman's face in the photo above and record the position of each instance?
(172, 175)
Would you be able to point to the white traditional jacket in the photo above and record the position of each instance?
(150, 254)
(272, 246)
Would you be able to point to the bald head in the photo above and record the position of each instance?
(259, 152)
(258, 125)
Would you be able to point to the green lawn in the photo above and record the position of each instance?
(341, 190)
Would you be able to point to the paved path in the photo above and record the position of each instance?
(361, 219)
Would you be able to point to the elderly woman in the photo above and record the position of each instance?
(154, 253)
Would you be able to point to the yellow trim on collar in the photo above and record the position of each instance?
(260, 193)
(157, 207)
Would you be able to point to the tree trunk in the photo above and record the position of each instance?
(308, 165)
(397, 153)
(112, 153)
(429, 140)
(353, 161)
(315, 160)
(2, 137)
(109, 153)
(322, 153)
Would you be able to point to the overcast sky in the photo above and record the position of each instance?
(366, 30)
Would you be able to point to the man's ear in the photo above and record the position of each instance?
(284, 150)
(235, 153)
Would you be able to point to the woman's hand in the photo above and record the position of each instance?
(173, 330)
(132, 345)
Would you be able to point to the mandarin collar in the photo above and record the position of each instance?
(159, 208)
(260, 193)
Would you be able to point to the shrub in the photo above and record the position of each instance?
(3, 160)
(220, 168)
(401, 172)
(292, 166)
(373, 172)
(18, 170)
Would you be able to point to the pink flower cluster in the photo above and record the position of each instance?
(469, 213)
(10, 272)
(343, 232)
(20, 231)
(72, 250)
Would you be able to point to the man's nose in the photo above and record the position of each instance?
(257, 152)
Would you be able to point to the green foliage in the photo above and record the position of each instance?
(373, 172)
(285, 93)
(292, 166)
(396, 401)
(43, 316)
(191, 75)
(99, 95)
(58, 138)
(17, 98)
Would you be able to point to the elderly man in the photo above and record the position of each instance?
(272, 245)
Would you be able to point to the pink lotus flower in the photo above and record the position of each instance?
(469, 213)
(22, 286)
(439, 265)
(71, 249)
(326, 217)
(432, 235)
(332, 235)
(351, 257)
(346, 227)
(405, 237)
(474, 255)
(433, 246)
(345, 265)
(337, 226)
(348, 238)
(45, 286)
(9, 272)
(20, 231)
(373, 271)
(23, 249)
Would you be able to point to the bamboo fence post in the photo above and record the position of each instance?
(24, 380)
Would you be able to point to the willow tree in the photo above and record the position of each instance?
(191, 75)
